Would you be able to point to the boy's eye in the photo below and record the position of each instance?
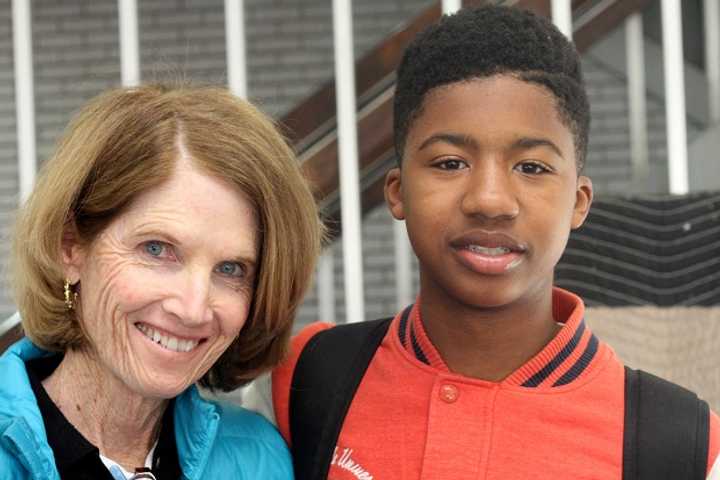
(451, 164)
(231, 269)
(532, 168)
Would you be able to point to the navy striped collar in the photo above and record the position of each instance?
(567, 357)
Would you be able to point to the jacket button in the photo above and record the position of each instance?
(449, 393)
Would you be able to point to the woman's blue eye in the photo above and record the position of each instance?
(231, 269)
(154, 248)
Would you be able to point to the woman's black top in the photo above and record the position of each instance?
(75, 457)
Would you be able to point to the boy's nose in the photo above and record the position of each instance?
(489, 194)
(190, 300)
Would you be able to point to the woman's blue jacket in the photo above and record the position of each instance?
(214, 440)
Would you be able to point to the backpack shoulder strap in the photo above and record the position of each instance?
(326, 377)
(667, 430)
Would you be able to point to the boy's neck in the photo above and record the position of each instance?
(488, 344)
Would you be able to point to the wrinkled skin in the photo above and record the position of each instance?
(180, 260)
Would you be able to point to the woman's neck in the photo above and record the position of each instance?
(488, 344)
(122, 424)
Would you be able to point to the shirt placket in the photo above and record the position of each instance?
(459, 430)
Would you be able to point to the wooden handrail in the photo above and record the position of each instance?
(10, 337)
(315, 116)
(311, 117)
(597, 24)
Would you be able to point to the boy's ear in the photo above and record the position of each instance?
(393, 194)
(72, 253)
(583, 200)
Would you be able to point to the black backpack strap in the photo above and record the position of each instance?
(667, 430)
(326, 377)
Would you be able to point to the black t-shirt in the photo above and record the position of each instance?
(75, 457)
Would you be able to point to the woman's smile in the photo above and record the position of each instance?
(167, 340)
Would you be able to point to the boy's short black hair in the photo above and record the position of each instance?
(485, 41)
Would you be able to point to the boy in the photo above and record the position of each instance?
(492, 373)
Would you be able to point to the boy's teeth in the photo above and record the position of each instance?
(166, 341)
(488, 251)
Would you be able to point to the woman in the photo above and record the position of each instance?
(168, 242)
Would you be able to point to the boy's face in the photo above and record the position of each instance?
(489, 192)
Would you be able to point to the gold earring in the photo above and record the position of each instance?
(70, 296)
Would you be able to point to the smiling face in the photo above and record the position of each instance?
(167, 286)
(489, 192)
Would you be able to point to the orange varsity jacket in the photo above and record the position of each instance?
(558, 416)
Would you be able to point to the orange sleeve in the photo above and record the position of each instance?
(714, 444)
(283, 374)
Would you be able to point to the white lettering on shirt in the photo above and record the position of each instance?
(343, 460)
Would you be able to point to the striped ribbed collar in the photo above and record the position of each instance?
(562, 360)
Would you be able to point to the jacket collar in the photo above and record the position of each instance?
(196, 426)
(22, 429)
(566, 358)
(21, 425)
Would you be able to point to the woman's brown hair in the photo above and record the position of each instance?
(124, 142)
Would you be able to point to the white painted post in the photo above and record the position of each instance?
(326, 286)
(675, 96)
(348, 155)
(129, 43)
(634, 46)
(562, 16)
(451, 6)
(235, 47)
(24, 97)
(403, 266)
(404, 294)
(712, 56)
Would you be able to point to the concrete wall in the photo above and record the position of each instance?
(609, 54)
(704, 160)
(653, 339)
(8, 148)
